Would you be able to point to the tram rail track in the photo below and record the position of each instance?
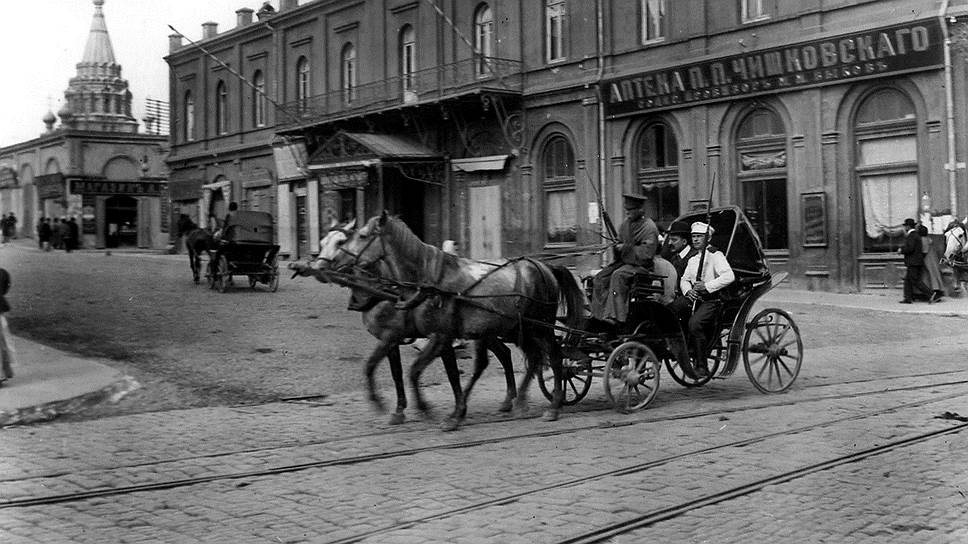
(365, 458)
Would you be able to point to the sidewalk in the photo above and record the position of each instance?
(49, 382)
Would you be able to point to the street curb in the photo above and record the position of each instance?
(50, 410)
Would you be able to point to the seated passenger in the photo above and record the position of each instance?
(677, 249)
(638, 239)
(670, 280)
(700, 304)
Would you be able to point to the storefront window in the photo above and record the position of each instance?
(558, 177)
(657, 166)
(762, 164)
(887, 168)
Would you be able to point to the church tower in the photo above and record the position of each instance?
(98, 98)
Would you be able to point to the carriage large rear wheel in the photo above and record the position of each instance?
(210, 272)
(631, 376)
(576, 382)
(221, 274)
(772, 351)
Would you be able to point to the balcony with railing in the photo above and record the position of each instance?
(465, 77)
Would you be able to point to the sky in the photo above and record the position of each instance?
(43, 41)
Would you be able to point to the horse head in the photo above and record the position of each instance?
(185, 224)
(956, 237)
(329, 246)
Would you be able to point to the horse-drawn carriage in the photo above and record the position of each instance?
(628, 357)
(245, 248)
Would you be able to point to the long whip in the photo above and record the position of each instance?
(709, 220)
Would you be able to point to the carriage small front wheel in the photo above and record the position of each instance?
(772, 351)
(575, 383)
(631, 376)
(222, 274)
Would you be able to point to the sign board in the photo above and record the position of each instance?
(133, 188)
(49, 186)
(907, 47)
(814, 213)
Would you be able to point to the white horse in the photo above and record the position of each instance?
(956, 241)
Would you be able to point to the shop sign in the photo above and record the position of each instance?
(49, 186)
(185, 189)
(133, 188)
(872, 53)
(8, 177)
(344, 178)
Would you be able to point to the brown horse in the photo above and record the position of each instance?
(460, 298)
(197, 240)
(392, 327)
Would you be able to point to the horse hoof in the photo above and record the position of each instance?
(396, 419)
(449, 424)
(550, 415)
(506, 407)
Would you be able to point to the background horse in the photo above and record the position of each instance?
(956, 240)
(196, 240)
(392, 327)
(460, 298)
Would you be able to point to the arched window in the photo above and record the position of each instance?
(259, 99)
(762, 160)
(189, 117)
(483, 39)
(408, 57)
(348, 73)
(558, 180)
(554, 30)
(302, 83)
(221, 108)
(657, 170)
(885, 132)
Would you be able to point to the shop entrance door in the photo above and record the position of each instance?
(485, 222)
(121, 221)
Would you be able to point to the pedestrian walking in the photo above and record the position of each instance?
(932, 272)
(45, 234)
(57, 234)
(7, 354)
(40, 227)
(12, 224)
(913, 260)
(5, 229)
(66, 240)
(75, 233)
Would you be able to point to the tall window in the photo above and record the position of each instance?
(657, 163)
(762, 161)
(302, 83)
(885, 131)
(408, 57)
(653, 20)
(554, 30)
(558, 178)
(483, 39)
(752, 10)
(221, 108)
(189, 117)
(259, 99)
(348, 73)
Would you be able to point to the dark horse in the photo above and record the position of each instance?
(197, 240)
(460, 298)
(392, 326)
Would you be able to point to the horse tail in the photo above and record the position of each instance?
(570, 294)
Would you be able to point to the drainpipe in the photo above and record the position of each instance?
(601, 119)
(951, 165)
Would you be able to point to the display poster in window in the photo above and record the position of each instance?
(814, 213)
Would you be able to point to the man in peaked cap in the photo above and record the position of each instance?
(638, 240)
(700, 303)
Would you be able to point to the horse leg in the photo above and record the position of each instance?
(429, 352)
(551, 351)
(193, 263)
(453, 376)
(379, 352)
(533, 356)
(503, 354)
(396, 370)
(480, 363)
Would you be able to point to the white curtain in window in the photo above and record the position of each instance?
(887, 201)
(561, 216)
(888, 150)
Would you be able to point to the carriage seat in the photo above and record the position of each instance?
(249, 226)
(646, 285)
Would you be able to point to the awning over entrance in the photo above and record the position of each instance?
(290, 159)
(479, 164)
(349, 149)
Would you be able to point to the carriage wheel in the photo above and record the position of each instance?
(222, 274)
(714, 362)
(631, 376)
(211, 269)
(772, 351)
(576, 382)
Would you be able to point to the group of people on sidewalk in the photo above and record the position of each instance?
(694, 274)
(61, 234)
(921, 258)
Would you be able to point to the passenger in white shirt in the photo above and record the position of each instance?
(700, 305)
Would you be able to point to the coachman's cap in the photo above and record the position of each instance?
(701, 228)
(679, 227)
(909, 223)
(633, 202)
